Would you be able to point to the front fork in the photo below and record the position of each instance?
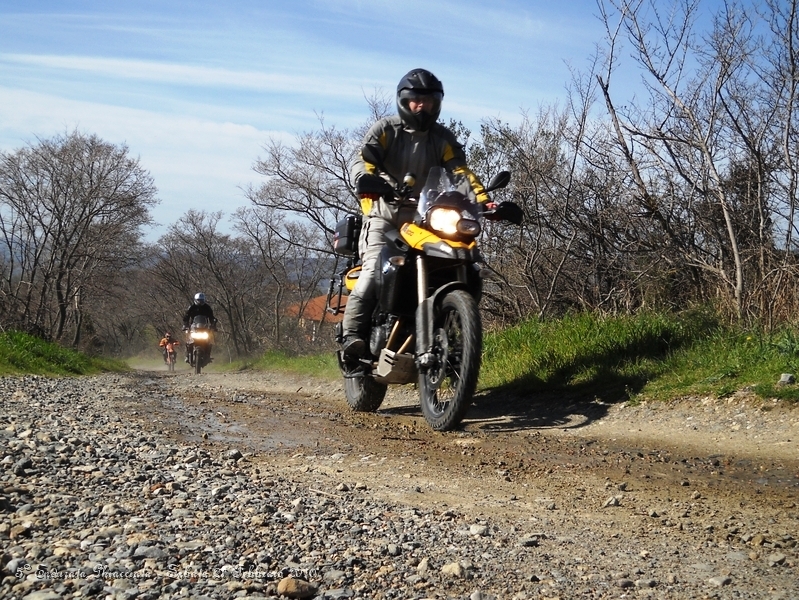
(424, 317)
(425, 312)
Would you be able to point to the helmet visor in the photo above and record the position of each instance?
(417, 101)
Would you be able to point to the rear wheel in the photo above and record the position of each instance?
(447, 386)
(364, 394)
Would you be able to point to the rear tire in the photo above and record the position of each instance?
(364, 394)
(446, 388)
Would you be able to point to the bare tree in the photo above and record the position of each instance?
(71, 209)
(196, 256)
(708, 120)
(294, 268)
(310, 179)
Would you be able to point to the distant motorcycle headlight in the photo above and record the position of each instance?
(199, 335)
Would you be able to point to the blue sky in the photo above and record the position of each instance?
(195, 89)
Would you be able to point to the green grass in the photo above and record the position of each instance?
(729, 361)
(639, 357)
(22, 354)
(315, 365)
(645, 356)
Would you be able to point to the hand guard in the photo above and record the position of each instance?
(504, 211)
(369, 184)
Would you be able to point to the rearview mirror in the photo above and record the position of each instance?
(500, 180)
(369, 156)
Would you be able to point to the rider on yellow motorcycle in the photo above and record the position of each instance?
(410, 142)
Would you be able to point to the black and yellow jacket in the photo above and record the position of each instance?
(404, 151)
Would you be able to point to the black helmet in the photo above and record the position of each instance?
(416, 83)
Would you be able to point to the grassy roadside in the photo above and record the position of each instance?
(323, 366)
(646, 356)
(638, 357)
(22, 354)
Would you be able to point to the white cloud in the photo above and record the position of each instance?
(181, 74)
(195, 93)
(195, 163)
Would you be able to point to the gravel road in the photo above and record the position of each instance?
(250, 485)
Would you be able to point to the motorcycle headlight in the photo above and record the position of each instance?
(450, 222)
(199, 335)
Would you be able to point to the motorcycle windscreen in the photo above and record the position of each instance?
(200, 322)
(201, 330)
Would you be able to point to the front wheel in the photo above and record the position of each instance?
(447, 386)
(198, 356)
(363, 393)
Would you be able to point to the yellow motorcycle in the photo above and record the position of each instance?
(426, 328)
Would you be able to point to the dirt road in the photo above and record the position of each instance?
(650, 495)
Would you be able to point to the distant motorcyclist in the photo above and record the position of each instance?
(411, 141)
(167, 341)
(198, 307)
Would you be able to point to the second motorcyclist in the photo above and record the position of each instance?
(198, 307)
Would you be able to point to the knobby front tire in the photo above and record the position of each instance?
(446, 389)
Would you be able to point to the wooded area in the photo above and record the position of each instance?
(683, 194)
